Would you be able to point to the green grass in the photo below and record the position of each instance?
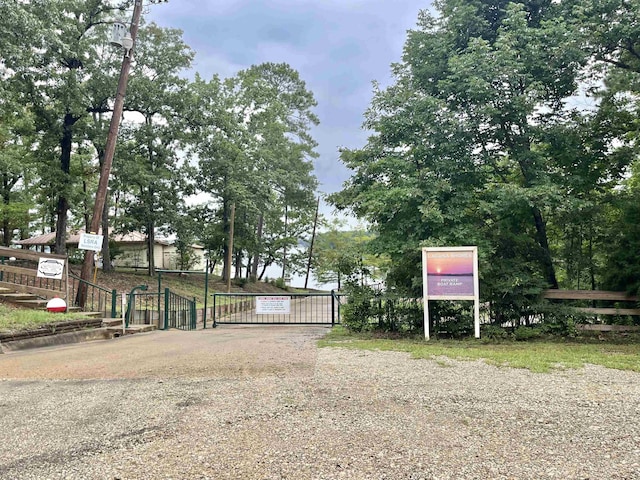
(12, 319)
(537, 356)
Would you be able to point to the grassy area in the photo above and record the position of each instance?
(12, 319)
(537, 356)
(189, 285)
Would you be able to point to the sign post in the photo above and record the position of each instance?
(451, 273)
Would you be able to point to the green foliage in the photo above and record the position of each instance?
(493, 333)
(345, 256)
(451, 319)
(279, 282)
(622, 264)
(475, 144)
(241, 282)
(522, 333)
(362, 310)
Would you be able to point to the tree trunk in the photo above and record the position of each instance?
(264, 270)
(284, 254)
(226, 224)
(106, 253)
(547, 262)
(256, 258)
(151, 234)
(87, 218)
(63, 203)
(238, 262)
(313, 237)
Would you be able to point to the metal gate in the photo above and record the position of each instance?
(276, 308)
(179, 312)
(164, 309)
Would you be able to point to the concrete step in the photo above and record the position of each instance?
(14, 297)
(131, 329)
(35, 303)
(111, 322)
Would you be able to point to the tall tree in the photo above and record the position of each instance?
(151, 174)
(54, 54)
(467, 146)
(255, 151)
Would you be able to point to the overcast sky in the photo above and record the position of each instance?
(339, 47)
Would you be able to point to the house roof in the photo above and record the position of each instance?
(74, 238)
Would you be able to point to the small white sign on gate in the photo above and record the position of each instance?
(273, 305)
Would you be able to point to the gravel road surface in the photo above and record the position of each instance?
(265, 403)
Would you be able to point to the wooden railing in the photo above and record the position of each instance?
(19, 271)
(599, 295)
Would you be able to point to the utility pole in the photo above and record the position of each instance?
(101, 194)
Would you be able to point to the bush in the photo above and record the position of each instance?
(279, 282)
(560, 326)
(240, 282)
(522, 334)
(362, 309)
(493, 332)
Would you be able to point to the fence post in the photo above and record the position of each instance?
(114, 303)
(215, 296)
(159, 293)
(206, 293)
(166, 308)
(132, 302)
(194, 315)
(333, 308)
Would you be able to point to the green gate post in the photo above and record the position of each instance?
(214, 311)
(206, 294)
(127, 315)
(166, 308)
(159, 291)
(194, 315)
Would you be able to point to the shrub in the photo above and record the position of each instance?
(362, 310)
(522, 334)
(493, 332)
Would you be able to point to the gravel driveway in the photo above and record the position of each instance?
(265, 403)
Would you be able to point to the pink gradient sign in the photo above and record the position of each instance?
(450, 273)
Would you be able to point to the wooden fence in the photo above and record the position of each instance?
(600, 296)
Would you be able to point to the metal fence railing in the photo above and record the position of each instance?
(98, 299)
(276, 309)
(180, 312)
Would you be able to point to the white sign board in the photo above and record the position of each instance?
(450, 273)
(89, 241)
(50, 268)
(273, 305)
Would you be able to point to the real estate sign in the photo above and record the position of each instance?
(450, 273)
